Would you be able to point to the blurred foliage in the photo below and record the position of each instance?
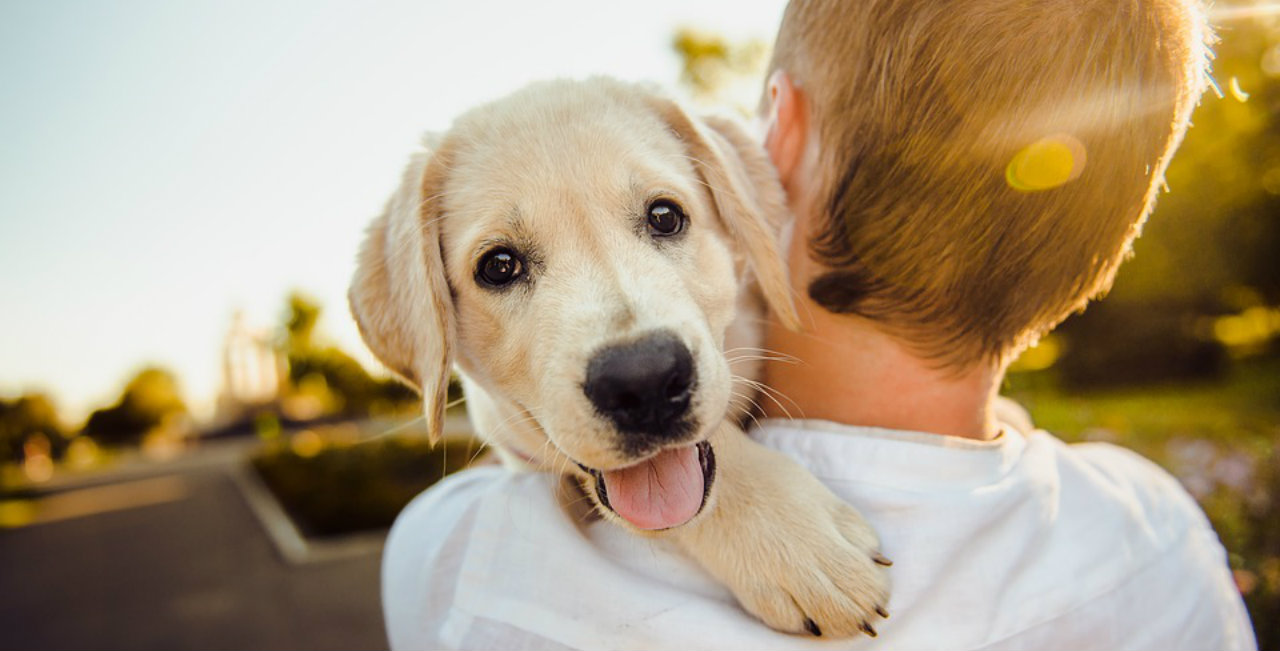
(332, 484)
(151, 403)
(1259, 573)
(1123, 343)
(717, 71)
(323, 380)
(301, 315)
(31, 420)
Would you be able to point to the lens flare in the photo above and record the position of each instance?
(1046, 164)
(1238, 92)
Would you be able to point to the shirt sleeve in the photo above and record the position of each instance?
(1186, 596)
(423, 556)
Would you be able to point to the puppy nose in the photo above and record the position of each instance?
(643, 387)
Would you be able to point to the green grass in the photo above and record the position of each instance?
(1242, 408)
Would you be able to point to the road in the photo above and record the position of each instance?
(175, 561)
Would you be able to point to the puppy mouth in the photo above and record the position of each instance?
(661, 492)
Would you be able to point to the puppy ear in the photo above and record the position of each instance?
(747, 194)
(399, 295)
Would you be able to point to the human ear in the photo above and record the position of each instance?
(787, 129)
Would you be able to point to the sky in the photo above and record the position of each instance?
(165, 164)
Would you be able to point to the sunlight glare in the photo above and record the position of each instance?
(1046, 163)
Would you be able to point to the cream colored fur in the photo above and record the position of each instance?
(563, 171)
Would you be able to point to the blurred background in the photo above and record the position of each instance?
(196, 450)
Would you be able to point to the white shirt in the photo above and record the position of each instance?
(1019, 543)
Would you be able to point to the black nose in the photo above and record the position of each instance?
(643, 387)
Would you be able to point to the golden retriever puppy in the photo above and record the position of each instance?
(586, 254)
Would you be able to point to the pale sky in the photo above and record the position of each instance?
(166, 163)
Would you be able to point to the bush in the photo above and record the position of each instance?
(151, 400)
(1260, 568)
(1121, 344)
(335, 487)
(27, 419)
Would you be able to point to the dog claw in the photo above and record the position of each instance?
(882, 612)
(881, 560)
(812, 627)
(866, 628)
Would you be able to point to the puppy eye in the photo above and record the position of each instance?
(665, 218)
(499, 267)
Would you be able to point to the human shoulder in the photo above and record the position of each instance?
(1138, 545)
(1133, 482)
(442, 517)
(449, 501)
(428, 546)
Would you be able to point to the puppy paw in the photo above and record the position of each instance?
(792, 553)
(829, 579)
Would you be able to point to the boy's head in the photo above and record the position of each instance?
(984, 165)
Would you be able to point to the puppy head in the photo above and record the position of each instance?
(576, 249)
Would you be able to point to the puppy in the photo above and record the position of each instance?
(590, 258)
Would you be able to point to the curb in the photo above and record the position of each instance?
(290, 543)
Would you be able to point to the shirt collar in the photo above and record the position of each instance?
(899, 459)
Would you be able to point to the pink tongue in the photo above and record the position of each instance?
(659, 493)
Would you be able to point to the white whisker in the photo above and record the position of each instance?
(393, 430)
(769, 392)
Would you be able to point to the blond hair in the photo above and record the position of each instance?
(921, 110)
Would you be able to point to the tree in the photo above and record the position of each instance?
(150, 400)
(719, 72)
(26, 418)
(328, 374)
(301, 315)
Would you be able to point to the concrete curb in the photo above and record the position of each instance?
(293, 547)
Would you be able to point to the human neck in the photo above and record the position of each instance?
(846, 371)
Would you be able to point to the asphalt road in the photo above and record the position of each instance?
(179, 563)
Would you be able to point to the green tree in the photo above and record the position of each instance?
(328, 373)
(151, 399)
(301, 315)
(717, 71)
(27, 417)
